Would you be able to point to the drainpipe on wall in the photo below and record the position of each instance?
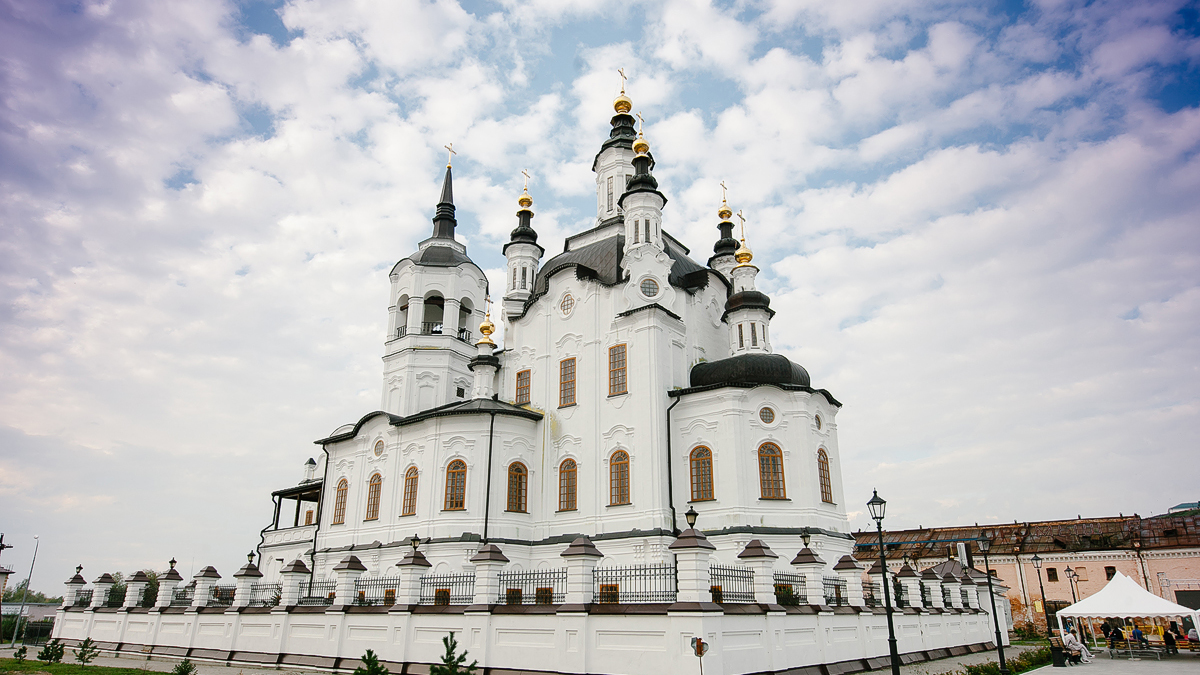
(312, 557)
(670, 481)
(487, 499)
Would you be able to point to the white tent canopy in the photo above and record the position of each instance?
(1122, 597)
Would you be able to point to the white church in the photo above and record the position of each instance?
(538, 500)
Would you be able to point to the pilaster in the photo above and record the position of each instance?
(951, 583)
(205, 580)
(347, 572)
(74, 585)
(849, 570)
(489, 560)
(167, 584)
(245, 578)
(760, 558)
(912, 586)
(102, 587)
(135, 588)
(808, 564)
(581, 556)
(692, 557)
(411, 569)
(930, 580)
(292, 577)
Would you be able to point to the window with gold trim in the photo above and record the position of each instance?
(567, 483)
(823, 474)
(409, 507)
(374, 488)
(702, 474)
(339, 503)
(566, 382)
(770, 472)
(456, 486)
(617, 378)
(618, 484)
(518, 478)
(522, 387)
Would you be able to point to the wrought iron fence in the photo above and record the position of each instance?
(448, 589)
(84, 597)
(731, 583)
(183, 596)
(835, 591)
(926, 595)
(149, 596)
(379, 591)
(539, 587)
(789, 589)
(116, 596)
(401, 331)
(431, 328)
(36, 632)
(963, 594)
(317, 593)
(464, 334)
(222, 596)
(946, 596)
(871, 594)
(899, 596)
(637, 584)
(265, 595)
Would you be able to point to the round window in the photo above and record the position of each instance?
(649, 288)
(818, 422)
(567, 304)
(766, 415)
(378, 448)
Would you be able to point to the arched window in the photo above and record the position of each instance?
(456, 486)
(339, 503)
(618, 483)
(566, 485)
(823, 473)
(702, 477)
(410, 492)
(431, 320)
(373, 490)
(770, 471)
(517, 482)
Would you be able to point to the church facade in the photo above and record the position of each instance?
(540, 498)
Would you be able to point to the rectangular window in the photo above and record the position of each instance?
(1051, 574)
(566, 382)
(610, 191)
(514, 285)
(523, 277)
(512, 596)
(308, 517)
(741, 337)
(1110, 572)
(522, 387)
(647, 230)
(617, 381)
(610, 593)
(753, 335)
(543, 596)
(1081, 573)
(637, 224)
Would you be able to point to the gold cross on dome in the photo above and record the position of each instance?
(487, 301)
(449, 152)
(641, 122)
(723, 188)
(526, 174)
(743, 219)
(622, 73)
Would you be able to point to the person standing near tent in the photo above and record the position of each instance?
(1169, 642)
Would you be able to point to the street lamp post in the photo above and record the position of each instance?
(28, 582)
(877, 507)
(1037, 565)
(1072, 575)
(985, 544)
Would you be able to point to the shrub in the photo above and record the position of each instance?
(184, 667)
(87, 651)
(1034, 658)
(452, 664)
(19, 655)
(371, 665)
(52, 652)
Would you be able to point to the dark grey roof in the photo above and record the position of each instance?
(439, 256)
(751, 369)
(473, 407)
(748, 300)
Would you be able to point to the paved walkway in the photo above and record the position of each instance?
(955, 663)
(162, 665)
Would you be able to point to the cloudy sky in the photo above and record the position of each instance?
(978, 222)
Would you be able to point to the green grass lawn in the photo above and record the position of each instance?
(64, 668)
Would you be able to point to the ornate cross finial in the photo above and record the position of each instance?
(487, 301)
(449, 153)
(743, 219)
(622, 72)
(641, 122)
(723, 188)
(525, 173)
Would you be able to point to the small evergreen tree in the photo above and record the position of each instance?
(52, 652)
(19, 655)
(452, 664)
(184, 667)
(371, 665)
(87, 651)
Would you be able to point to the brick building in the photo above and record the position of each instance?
(1162, 553)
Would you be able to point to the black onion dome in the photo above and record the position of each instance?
(748, 300)
(726, 245)
(750, 369)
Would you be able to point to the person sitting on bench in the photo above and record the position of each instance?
(1073, 646)
(1115, 636)
(1140, 637)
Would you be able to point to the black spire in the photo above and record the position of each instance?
(643, 180)
(726, 245)
(443, 220)
(524, 233)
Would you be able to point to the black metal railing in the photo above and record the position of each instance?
(946, 596)
(731, 583)
(926, 595)
(963, 593)
(899, 597)
(431, 328)
(222, 596)
(835, 591)
(871, 595)
(317, 593)
(464, 335)
(36, 632)
(376, 592)
(149, 596)
(183, 596)
(789, 589)
(116, 596)
(637, 584)
(84, 597)
(539, 587)
(401, 331)
(265, 595)
(448, 589)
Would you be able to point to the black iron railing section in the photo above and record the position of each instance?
(222, 596)
(379, 591)
(317, 593)
(36, 632)
(731, 583)
(539, 587)
(464, 334)
(789, 589)
(926, 595)
(431, 328)
(899, 597)
(84, 597)
(401, 331)
(265, 595)
(448, 589)
(116, 596)
(963, 593)
(835, 591)
(149, 596)
(946, 596)
(183, 596)
(871, 594)
(637, 584)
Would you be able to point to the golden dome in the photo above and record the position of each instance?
(622, 103)
(525, 200)
(640, 146)
(487, 327)
(743, 254)
(724, 213)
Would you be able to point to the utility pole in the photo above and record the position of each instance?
(25, 594)
(2, 547)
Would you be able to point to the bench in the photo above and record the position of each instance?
(1060, 656)
(1121, 648)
